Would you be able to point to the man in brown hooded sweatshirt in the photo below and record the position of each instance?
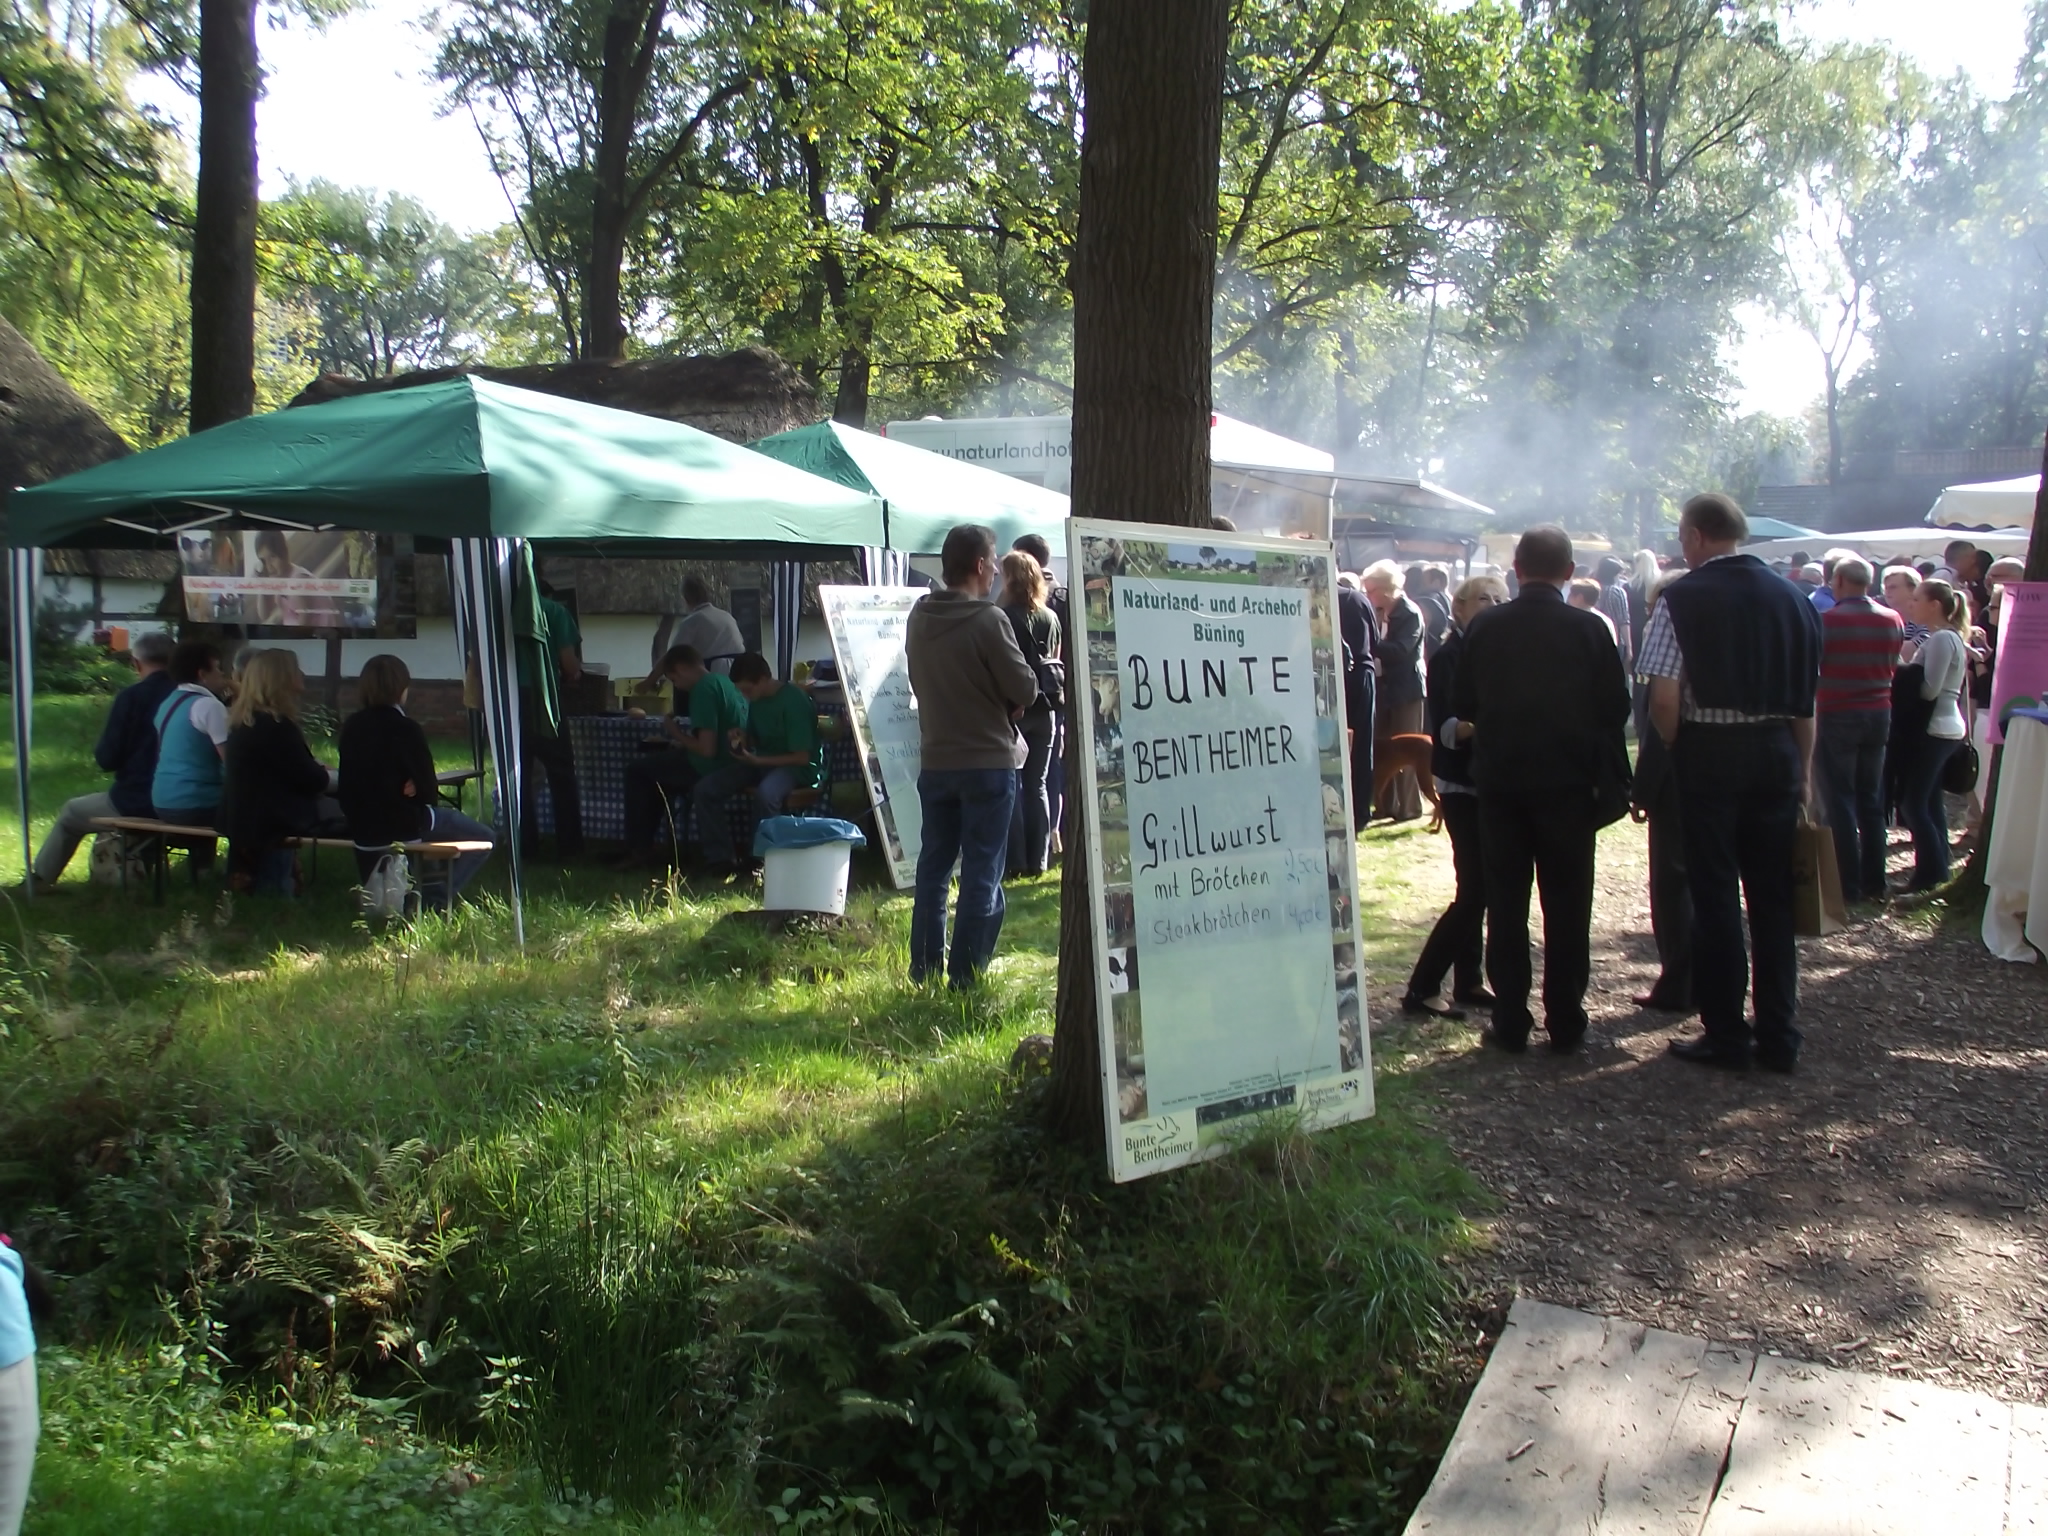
(971, 684)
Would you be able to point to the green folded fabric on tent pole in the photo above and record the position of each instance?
(924, 493)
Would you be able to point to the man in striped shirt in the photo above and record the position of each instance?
(1860, 643)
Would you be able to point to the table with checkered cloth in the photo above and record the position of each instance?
(602, 746)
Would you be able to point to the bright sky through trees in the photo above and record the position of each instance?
(355, 105)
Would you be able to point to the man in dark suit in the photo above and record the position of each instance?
(1358, 629)
(1542, 689)
(1401, 679)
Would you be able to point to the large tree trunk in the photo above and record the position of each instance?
(620, 81)
(856, 385)
(1834, 409)
(1144, 287)
(224, 216)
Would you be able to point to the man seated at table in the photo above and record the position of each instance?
(126, 749)
(701, 762)
(705, 627)
(781, 742)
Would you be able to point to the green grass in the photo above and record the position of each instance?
(663, 1223)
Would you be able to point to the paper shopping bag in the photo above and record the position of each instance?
(1817, 906)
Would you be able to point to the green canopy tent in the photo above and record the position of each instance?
(483, 466)
(922, 493)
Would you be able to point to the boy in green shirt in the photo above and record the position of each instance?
(782, 722)
(701, 761)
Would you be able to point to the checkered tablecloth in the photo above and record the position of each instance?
(602, 746)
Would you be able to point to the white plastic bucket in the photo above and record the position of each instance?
(806, 879)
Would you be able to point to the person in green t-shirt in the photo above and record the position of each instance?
(782, 730)
(701, 761)
(544, 742)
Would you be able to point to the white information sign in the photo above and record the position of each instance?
(867, 627)
(1224, 873)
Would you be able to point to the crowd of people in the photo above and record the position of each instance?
(1757, 695)
(196, 746)
(1513, 692)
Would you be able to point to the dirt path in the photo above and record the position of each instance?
(1885, 1207)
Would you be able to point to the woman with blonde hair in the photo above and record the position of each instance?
(1456, 945)
(1038, 637)
(273, 786)
(1944, 661)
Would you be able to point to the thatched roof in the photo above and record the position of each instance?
(46, 430)
(740, 397)
(112, 564)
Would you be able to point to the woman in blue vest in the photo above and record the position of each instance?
(18, 1411)
(192, 734)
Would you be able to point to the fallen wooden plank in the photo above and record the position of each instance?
(2026, 1495)
(1585, 1425)
(1822, 1452)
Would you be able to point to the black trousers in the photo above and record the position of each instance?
(1531, 835)
(1457, 942)
(1739, 801)
(552, 754)
(1670, 898)
(1358, 710)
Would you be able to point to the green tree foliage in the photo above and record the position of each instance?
(388, 286)
(590, 107)
(1599, 351)
(894, 200)
(87, 193)
(1957, 248)
(1366, 147)
(1870, 107)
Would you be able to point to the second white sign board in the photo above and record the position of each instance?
(1224, 875)
(867, 628)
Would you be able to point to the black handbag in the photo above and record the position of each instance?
(1615, 784)
(1959, 773)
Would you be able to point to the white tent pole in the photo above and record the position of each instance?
(23, 566)
(487, 569)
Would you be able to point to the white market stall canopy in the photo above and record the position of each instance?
(1038, 448)
(1990, 504)
(1883, 543)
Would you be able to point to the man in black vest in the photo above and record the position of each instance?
(1542, 691)
(1733, 658)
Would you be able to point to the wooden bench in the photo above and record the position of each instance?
(151, 841)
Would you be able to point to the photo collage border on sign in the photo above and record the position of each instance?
(1142, 1142)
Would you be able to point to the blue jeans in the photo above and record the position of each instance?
(711, 801)
(1851, 753)
(1922, 808)
(966, 816)
(776, 786)
(451, 826)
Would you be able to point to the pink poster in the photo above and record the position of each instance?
(2019, 679)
